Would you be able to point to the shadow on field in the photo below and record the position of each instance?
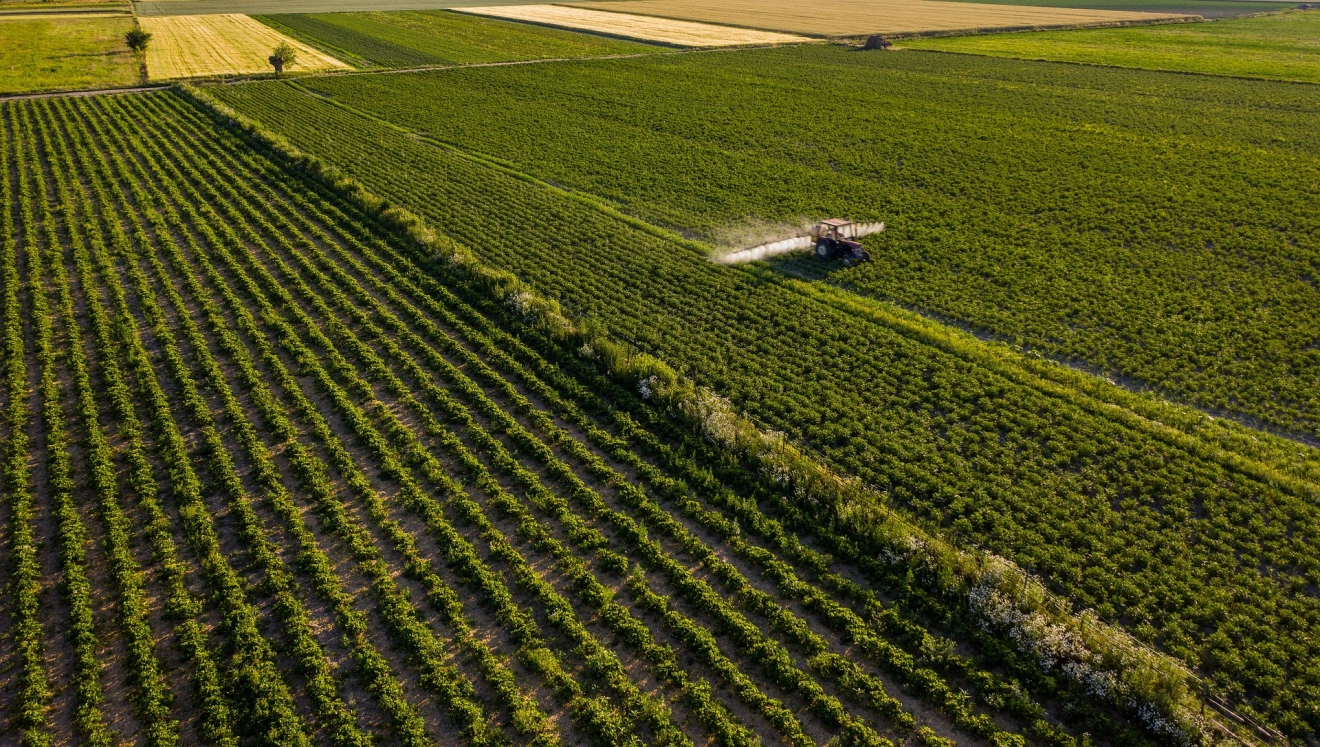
(806, 266)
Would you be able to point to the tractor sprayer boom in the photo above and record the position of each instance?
(831, 239)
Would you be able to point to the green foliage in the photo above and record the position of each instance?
(1204, 8)
(284, 55)
(1140, 229)
(33, 687)
(137, 40)
(345, 421)
(417, 38)
(1128, 517)
(57, 54)
(1283, 45)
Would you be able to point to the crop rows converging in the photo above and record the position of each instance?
(1211, 555)
(267, 481)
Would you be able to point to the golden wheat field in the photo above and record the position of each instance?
(192, 46)
(857, 17)
(645, 28)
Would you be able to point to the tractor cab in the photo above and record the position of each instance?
(834, 241)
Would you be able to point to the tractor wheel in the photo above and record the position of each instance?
(848, 262)
(822, 250)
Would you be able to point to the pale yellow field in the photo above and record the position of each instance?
(858, 17)
(645, 28)
(189, 46)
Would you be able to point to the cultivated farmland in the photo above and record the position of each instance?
(410, 39)
(270, 481)
(59, 53)
(833, 18)
(394, 407)
(679, 33)
(229, 44)
(1284, 45)
(1122, 514)
(1203, 8)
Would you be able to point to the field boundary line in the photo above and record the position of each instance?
(932, 332)
(79, 94)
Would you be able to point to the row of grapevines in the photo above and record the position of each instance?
(395, 608)
(150, 695)
(374, 669)
(251, 678)
(214, 181)
(320, 680)
(71, 533)
(33, 688)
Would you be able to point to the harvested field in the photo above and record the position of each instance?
(191, 46)
(835, 18)
(682, 33)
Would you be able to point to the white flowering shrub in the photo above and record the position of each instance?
(647, 387)
(524, 303)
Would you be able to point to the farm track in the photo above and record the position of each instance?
(331, 502)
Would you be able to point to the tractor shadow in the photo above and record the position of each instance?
(807, 266)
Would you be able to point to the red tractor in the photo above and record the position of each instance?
(834, 240)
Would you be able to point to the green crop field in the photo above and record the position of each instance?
(1020, 197)
(415, 407)
(1204, 8)
(1284, 45)
(48, 54)
(277, 474)
(1218, 309)
(417, 38)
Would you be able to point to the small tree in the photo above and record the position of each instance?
(284, 54)
(137, 40)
